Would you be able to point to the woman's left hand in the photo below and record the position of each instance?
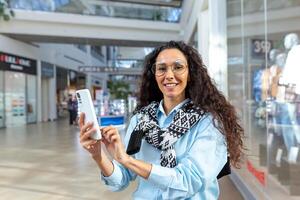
(113, 143)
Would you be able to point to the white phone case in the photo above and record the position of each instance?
(85, 105)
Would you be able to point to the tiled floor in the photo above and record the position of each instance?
(45, 162)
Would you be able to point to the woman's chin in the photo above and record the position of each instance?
(171, 96)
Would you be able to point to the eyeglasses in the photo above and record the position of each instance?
(160, 69)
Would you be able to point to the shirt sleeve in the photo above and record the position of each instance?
(199, 166)
(121, 176)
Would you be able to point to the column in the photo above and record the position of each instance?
(39, 91)
(218, 44)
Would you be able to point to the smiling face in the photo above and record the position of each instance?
(171, 74)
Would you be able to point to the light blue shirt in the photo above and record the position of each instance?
(201, 153)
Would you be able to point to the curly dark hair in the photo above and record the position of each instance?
(202, 91)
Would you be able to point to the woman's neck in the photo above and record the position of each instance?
(170, 103)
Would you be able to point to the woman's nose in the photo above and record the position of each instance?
(169, 73)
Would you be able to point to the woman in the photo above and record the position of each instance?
(73, 109)
(186, 128)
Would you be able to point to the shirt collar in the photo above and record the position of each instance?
(161, 108)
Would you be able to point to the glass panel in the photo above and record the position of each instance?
(284, 95)
(1, 99)
(266, 58)
(236, 66)
(233, 8)
(255, 76)
(246, 82)
(15, 109)
(103, 8)
(138, 12)
(31, 99)
(257, 6)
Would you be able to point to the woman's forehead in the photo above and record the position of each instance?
(169, 55)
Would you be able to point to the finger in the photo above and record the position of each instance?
(87, 135)
(94, 147)
(105, 129)
(108, 132)
(108, 128)
(86, 127)
(111, 133)
(114, 138)
(88, 143)
(81, 120)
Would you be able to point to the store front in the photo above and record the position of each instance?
(17, 90)
(264, 85)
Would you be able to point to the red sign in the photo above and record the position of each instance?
(260, 175)
(17, 63)
(14, 60)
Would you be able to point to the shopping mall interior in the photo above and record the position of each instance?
(51, 48)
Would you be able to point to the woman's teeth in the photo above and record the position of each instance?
(170, 85)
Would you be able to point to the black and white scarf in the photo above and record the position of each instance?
(163, 139)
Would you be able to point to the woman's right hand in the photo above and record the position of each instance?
(91, 145)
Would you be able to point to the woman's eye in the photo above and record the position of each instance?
(162, 68)
(178, 67)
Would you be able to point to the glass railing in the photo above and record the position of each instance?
(126, 78)
(101, 8)
(255, 6)
(126, 63)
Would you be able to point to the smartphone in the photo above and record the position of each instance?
(85, 105)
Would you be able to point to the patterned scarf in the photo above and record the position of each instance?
(163, 139)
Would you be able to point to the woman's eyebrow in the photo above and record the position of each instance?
(165, 61)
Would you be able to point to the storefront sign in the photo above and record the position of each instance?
(110, 70)
(47, 70)
(259, 47)
(16, 63)
(259, 175)
(97, 69)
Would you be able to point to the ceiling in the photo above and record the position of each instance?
(153, 10)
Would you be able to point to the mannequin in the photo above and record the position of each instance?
(291, 81)
(273, 55)
(291, 69)
(275, 71)
(280, 62)
(270, 77)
